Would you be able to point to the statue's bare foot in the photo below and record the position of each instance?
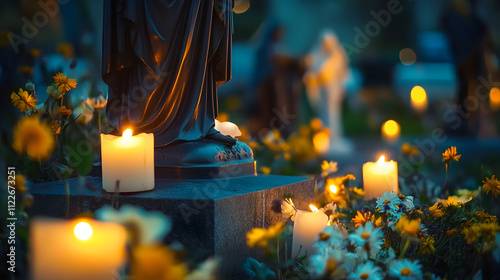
(215, 135)
(202, 152)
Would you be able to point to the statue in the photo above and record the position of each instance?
(163, 61)
(324, 80)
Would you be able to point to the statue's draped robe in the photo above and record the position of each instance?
(163, 61)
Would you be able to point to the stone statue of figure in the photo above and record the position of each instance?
(325, 85)
(163, 61)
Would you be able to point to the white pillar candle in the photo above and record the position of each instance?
(380, 177)
(78, 249)
(128, 159)
(307, 226)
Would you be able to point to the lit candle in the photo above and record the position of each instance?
(78, 249)
(419, 99)
(380, 177)
(129, 160)
(307, 226)
(390, 131)
(495, 99)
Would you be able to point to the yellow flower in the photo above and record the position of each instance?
(328, 168)
(409, 150)
(265, 170)
(155, 262)
(450, 154)
(427, 246)
(260, 236)
(20, 184)
(56, 127)
(23, 101)
(357, 191)
(492, 185)
(436, 210)
(485, 217)
(362, 218)
(475, 232)
(64, 111)
(64, 84)
(410, 227)
(453, 200)
(33, 138)
(451, 231)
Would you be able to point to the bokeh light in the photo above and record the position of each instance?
(418, 99)
(390, 130)
(241, 6)
(407, 56)
(495, 98)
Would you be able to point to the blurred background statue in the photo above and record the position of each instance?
(163, 61)
(325, 85)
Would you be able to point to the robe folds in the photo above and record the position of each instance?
(163, 61)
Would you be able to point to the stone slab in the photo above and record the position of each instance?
(210, 216)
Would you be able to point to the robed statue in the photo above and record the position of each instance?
(163, 61)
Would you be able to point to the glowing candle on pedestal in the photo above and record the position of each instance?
(380, 177)
(307, 226)
(77, 250)
(390, 131)
(419, 99)
(495, 99)
(129, 160)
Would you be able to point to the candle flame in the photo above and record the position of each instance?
(313, 208)
(334, 189)
(127, 133)
(381, 160)
(83, 231)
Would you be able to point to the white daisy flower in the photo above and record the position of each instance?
(367, 271)
(332, 237)
(408, 203)
(367, 235)
(288, 208)
(332, 263)
(385, 255)
(388, 203)
(145, 227)
(329, 210)
(406, 269)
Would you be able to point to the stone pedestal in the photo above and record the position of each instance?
(210, 216)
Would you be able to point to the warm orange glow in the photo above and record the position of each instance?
(390, 128)
(127, 133)
(321, 141)
(495, 98)
(83, 231)
(418, 94)
(313, 208)
(334, 189)
(241, 6)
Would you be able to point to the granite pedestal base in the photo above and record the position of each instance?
(210, 216)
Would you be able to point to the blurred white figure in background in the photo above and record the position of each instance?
(325, 85)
